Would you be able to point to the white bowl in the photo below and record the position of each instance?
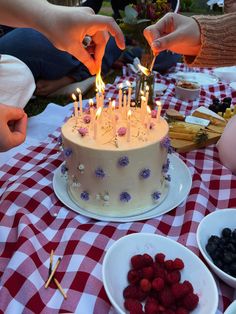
(116, 265)
(187, 90)
(231, 309)
(213, 224)
(226, 74)
(233, 86)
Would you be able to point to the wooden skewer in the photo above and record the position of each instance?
(152, 64)
(60, 288)
(50, 264)
(53, 272)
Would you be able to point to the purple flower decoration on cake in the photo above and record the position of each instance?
(167, 145)
(87, 119)
(67, 152)
(99, 172)
(156, 195)
(123, 161)
(125, 197)
(153, 114)
(59, 140)
(84, 196)
(83, 131)
(145, 173)
(121, 131)
(166, 166)
(168, 178)
(64, 169)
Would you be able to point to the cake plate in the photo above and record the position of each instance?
(179, 187)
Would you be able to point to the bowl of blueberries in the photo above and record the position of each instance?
(216, 238)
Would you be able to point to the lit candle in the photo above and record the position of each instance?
(148, 118)
(124, 104)
(120, 96)
(91, 109)
(109, 106)
(95, 127)
(129, 94)
(129, 125)
(158, 103)
(113, 117)
(75, 106)
(143, 108)
(80, 100)
(147, 93)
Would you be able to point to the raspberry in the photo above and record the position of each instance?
(145, 285)
(173, 277)
(137, 261)
(169, 264)
(169, 311)
(148, 260)
(160, 258)
(148, 272)
(188, 286)
(160, 272)
(178, 264)
(134, 276)
(131, 292)
(181, 310)
(151, 306)
(166, 297)
(190, 301)
(133, 306)
(158, 284)
(179, 290)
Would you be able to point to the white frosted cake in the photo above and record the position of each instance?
(116, 166)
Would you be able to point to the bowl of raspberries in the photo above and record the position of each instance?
(216, 237)
(146, 273)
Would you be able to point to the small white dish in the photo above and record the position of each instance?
(226, 74)
(213, 224)
(231, 309)
(197, 77)
(179, 187)
(117, 263)
(187, 91)
(233, 86)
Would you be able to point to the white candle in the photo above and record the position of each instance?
(91, 109)
(143, 108)
(129, 125)
(113, 117)
(120, 96)
(110, 107)
(159, 107)
(80, 100)
(129, 94)
(148, 118)
(124, 104)
(75, 106)
(95, 127)
(147, 93)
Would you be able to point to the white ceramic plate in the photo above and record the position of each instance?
(226, 74)
(180, 185)
(197, 77)
(117, 263)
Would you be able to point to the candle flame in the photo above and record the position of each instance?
(74, 97)
(100, 85)
(158, 103)
(147, 88)
(142, 92)
(120, 86)
(148, 110)
(128, 83)
(91, 102)
(78, 90)
(98, 112)
(144, 70)
(129, 114)
(113, 104)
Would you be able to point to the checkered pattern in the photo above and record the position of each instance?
(34, 221)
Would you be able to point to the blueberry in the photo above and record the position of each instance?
(210, 248)
(227, 258)
(234, 234)
(227, 100)
(214, 239)
(231, 248)
(226, 233)
(215, 101)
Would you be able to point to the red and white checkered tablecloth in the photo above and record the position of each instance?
(33, 222)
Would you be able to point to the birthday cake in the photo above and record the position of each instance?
(116, 164)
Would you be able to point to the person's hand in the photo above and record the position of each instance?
(13, 124)
(175, 32)
(66, 27)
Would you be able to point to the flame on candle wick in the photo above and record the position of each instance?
(100, 85)
(91, 102)
(78, 90)
(148, 110)
(113, 104)
(144, 70)
(74, 97)
(98, 113)
(129, 113)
